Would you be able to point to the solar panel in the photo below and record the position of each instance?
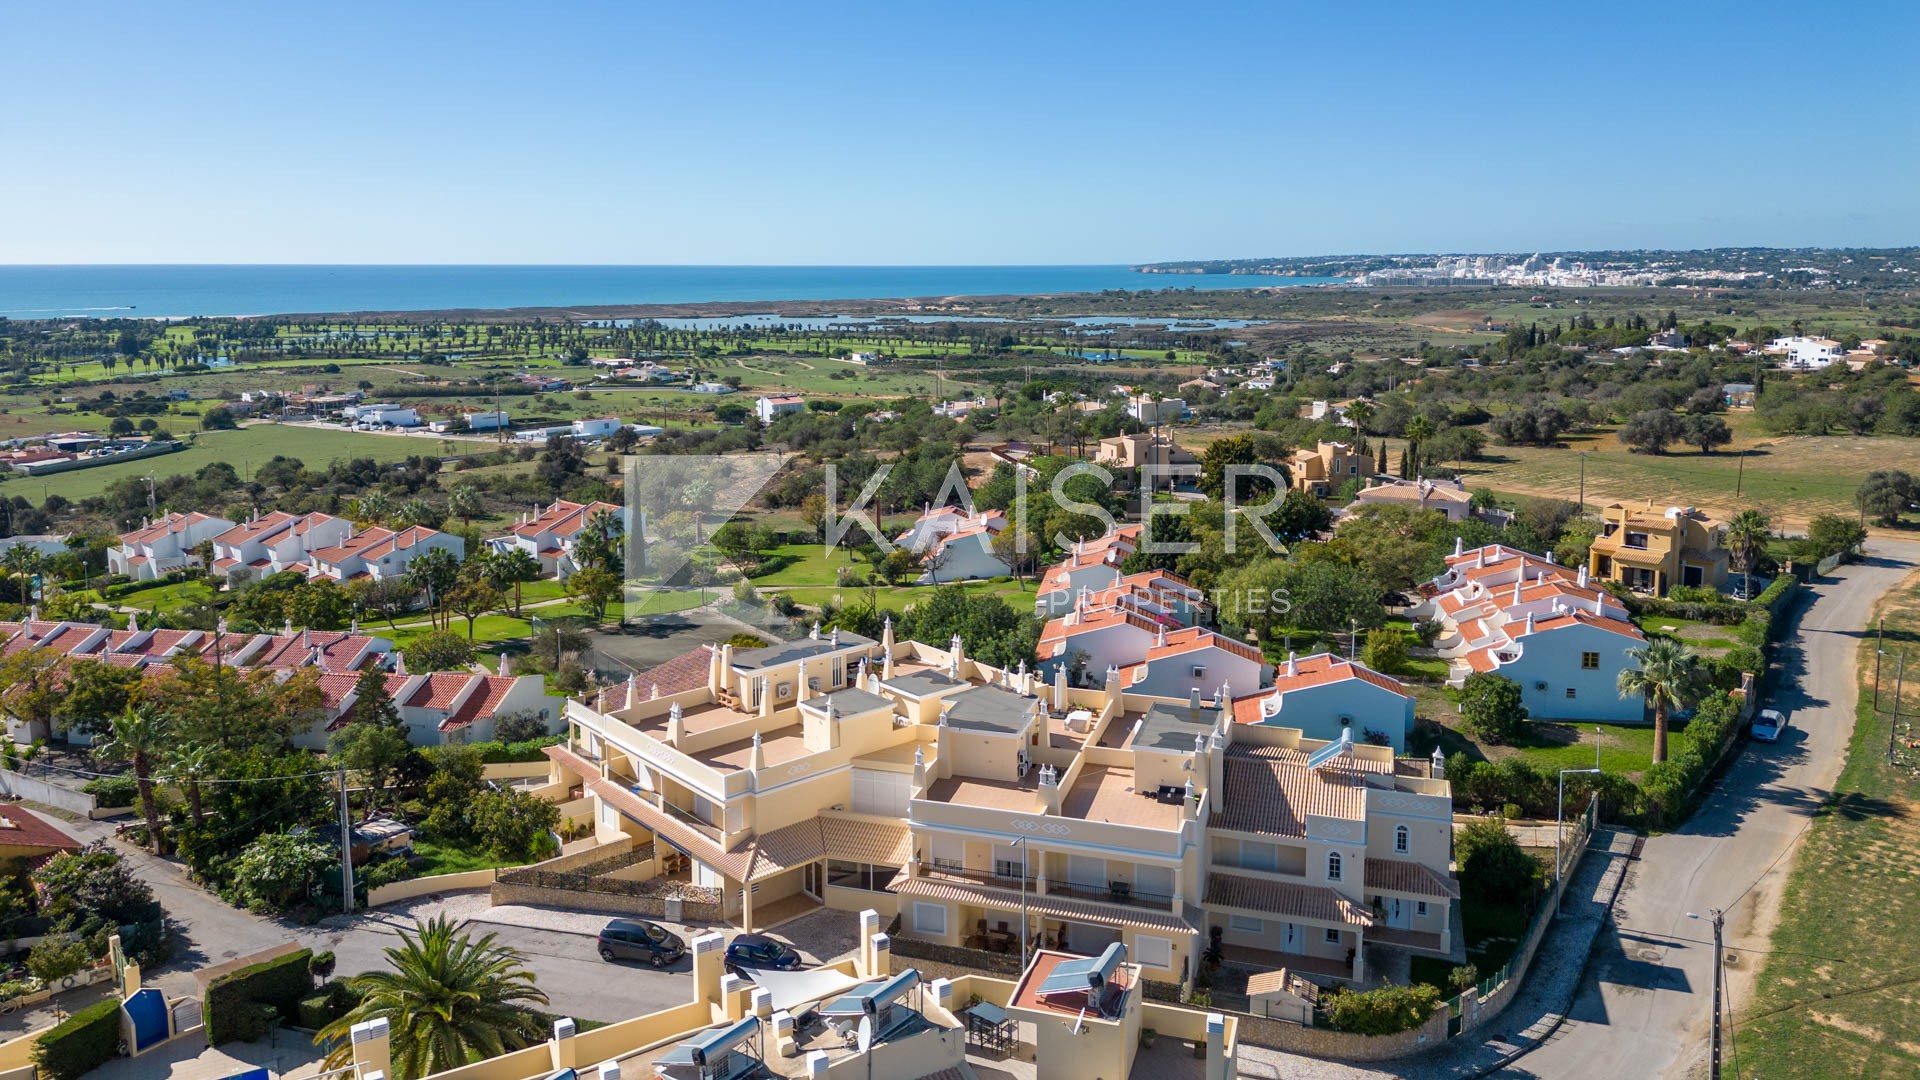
(1067, 977)
(893, 989)
(1109, 962)
(850, 1004)
(712, 1045)
(1332, 750)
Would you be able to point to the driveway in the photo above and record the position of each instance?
(1643, 1008)
(654, 640)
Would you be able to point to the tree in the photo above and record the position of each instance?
(1831, 534)
(1386, 650)
(464, 501)
(594, 588)
(448, 1000)
(1650, 431)
(1885, 495)
(30, 685)
(372, 704)
(434, 572)
(1232, 450)
(140, 737)
(95, 692)
(194, 765)
(1705, 431)
(1418, 431)
(514, 825)
(277, 870)
(1301, 515)
(1747, 536)
(94, 892)
(472, 599)
(373, 750)
(1493, 865)
(219, 418)
(1668, 676)
(514, 567)
(438, 650)
(1490, 707)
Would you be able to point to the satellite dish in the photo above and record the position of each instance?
(866, 1034)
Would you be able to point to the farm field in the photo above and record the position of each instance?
(244, 449)
(1794, 477)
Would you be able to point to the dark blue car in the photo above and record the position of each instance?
(760, 951)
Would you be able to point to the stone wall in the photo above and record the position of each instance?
(654, 907)
(1340, 1045)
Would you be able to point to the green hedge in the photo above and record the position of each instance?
(83, 1042)
(113, 792)
(499, 753)
(323, 1006)
(241, 1005)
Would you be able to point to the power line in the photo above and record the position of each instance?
(184, 780)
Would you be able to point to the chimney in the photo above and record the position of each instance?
(1459, 545)
(676, 726)
(920, 769)
(133, 623)
(1049, 790)
(1293, 666)
(886, 636)
(1529, 622)
(1517, 584)
(757, 761)
(1582, 580)
(1160, 638)
(1060, 688)
(956, 655)
(814, 634)
(1439, 764)
(1193, 704)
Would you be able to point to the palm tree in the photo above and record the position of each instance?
(21, 561)
(1418, 430)
(1667, 674)
(514, 567)
(449, 1001)
(194, 764)
(1747, 536)
(140, 736)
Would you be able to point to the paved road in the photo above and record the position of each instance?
(1643, 1008)
(565, 965)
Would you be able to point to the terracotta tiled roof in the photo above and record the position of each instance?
(688, 671)
(1284, 898)
(482, 702)
(22, 829)
(1270, 790)
(1404, 876)
(879, 843)
(1317, 670)
(783, 849)
(166, 525)
(563, 518)
(1561, 622)
(439, 690)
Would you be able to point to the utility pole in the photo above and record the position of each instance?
(1740, 474)
(1713, 1060)
(346, 846)
(1879, 650)
(1583, 481)
(1899, 687)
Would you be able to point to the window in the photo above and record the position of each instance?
(1420, 908)
(1199, 671)
(1402, 839)
(949, 853)
(1332, 936)
(1246, 923)
(849, 875)
(1589, 661)
(930, 919)
(1255, 855)
(1153, 951)
(1570, 691)
(1333, 866)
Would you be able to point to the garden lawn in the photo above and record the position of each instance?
(806, 564)
(443, 859)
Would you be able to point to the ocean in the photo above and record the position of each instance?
(40, 292)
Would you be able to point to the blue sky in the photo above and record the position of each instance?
(975, 133)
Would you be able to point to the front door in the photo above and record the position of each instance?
(1399, 914)
(1294, 940)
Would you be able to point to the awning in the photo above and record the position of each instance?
(791, 989)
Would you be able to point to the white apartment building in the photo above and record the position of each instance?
(157, 548)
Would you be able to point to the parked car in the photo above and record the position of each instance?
(1767, 725)
(638, 939)
(760, 951)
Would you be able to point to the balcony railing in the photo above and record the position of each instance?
(684, 817)
(1118, 892)
(942, 872)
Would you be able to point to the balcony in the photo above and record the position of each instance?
(1116, 892)
(962, 876)
(685, 817)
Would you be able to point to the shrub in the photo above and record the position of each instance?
(1493, 866)
(112, 792)
(1490, 707)
(323, 1006)
(1388, 1010)
(83, 1042)
(500, 753)
(1386, 650)
(1463, 978)
(386, 872)
(241, 1006)
(276, 870)
(1694, 594)
(320, 964)
(53, 959)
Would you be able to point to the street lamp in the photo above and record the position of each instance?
(1559, 816)
(1719, 919)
